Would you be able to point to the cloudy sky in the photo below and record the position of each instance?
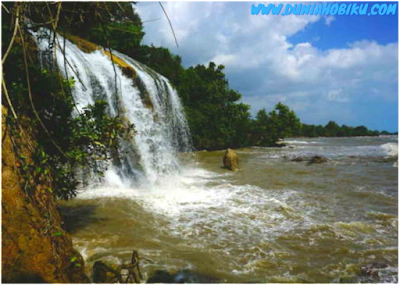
(342, 68)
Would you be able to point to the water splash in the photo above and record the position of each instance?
(391, 149)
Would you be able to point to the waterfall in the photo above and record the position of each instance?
(146, 99)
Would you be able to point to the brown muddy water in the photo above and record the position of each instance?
(274, 220)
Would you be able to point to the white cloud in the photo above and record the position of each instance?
(338, 96)
(266, 67)
(329, 19)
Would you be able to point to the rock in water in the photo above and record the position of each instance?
(297, 159)
(231, 160)
(372, 269)
(183, 276)
(317, 159)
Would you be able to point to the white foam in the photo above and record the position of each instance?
(111, 178)
(391, 149)
(299, 142)
(200, 210)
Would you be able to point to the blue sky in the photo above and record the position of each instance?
(342, 68)
(346, 29)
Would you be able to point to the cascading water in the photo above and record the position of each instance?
(147, 101)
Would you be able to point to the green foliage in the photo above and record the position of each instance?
(93, 135)
(278, 124)
(161, 60)
(215, 119)
(332, 129)
(94, 128)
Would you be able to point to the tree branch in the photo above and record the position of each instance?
(14, 33)
(172, 29)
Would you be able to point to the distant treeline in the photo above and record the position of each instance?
(332, 129)
(216, 118)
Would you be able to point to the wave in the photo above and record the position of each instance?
(299, 142)
(337, 150)
(391, 149)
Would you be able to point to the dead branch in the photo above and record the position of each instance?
(5, 8)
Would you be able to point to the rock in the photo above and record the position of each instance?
(297, 159)
(106, 273)
(231, 160)
(161, 276)
(377, 272)
(313, 160)
(373, 272)
(317, 160)
(183, 276)
(89, 47)
(147, 102)
(126, 68)
(372, 269)
(83, 44)
(281, 144)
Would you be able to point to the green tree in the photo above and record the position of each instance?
(215, 118)
(332, 129)
(278, 124)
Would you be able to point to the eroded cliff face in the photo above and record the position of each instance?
(35, 248)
